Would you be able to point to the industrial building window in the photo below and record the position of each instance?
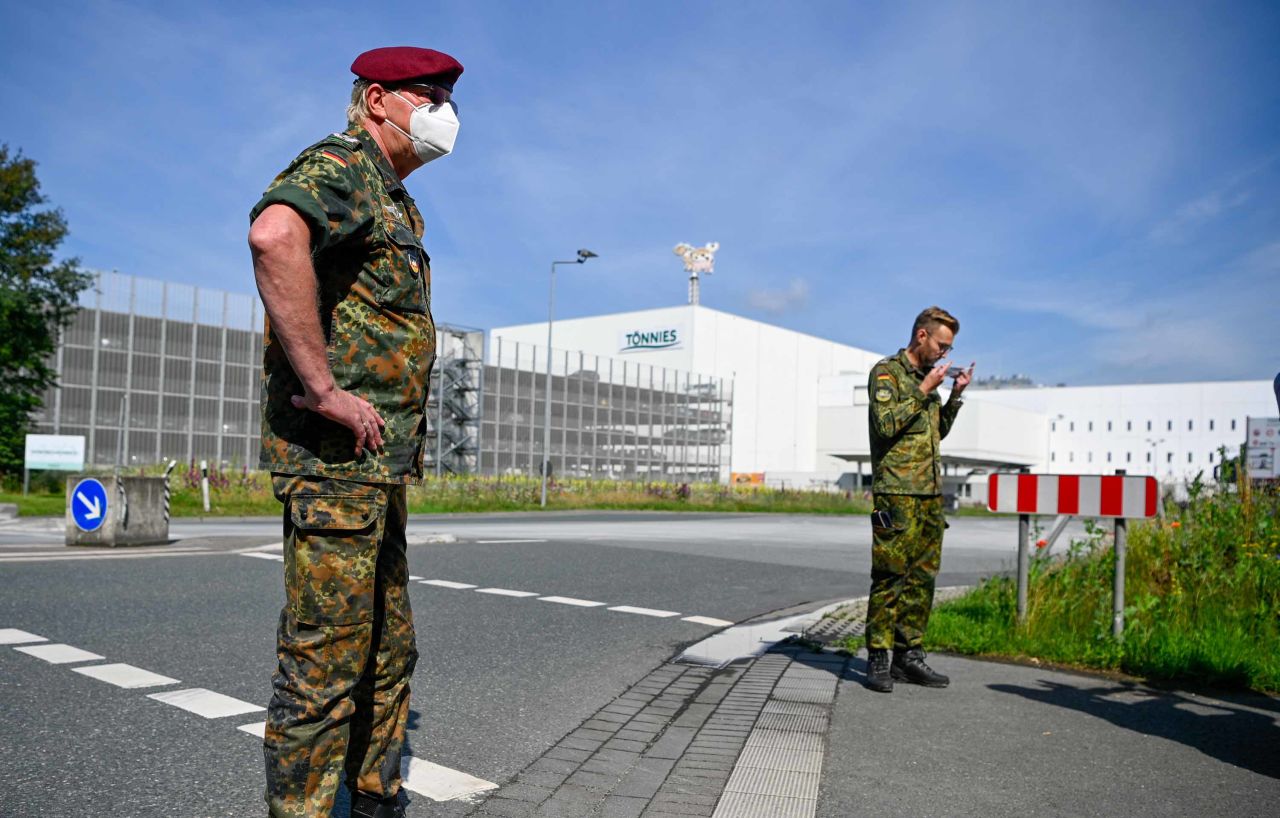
(1090, 457)
(1128, 425)
(1071, 457)
(1211, 424)
(1128, 457)
(1053, 457)
(1148, 457)
(1233, 424)
(1188, 425)
(1169, 427)
(1108, 457)
(1071, 427)
(1210, 457)
(1108, 425)
(1168, 458)
(1091, 425)
(1148, 425)
(1053, 426)
(1188, 457)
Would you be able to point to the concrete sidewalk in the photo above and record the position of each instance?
(794, 734)
(1015, 740)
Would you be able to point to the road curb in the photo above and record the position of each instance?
(690, 740)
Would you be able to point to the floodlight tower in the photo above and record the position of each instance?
(697, 260)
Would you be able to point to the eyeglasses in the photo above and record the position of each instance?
(943, 348)
(437, 95)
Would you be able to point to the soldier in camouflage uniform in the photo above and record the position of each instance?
(907, 420)
(350, 342)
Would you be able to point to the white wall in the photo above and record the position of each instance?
(984, 432)
(775, 374)
(781, 378)
(598, 335)
(1182, 450)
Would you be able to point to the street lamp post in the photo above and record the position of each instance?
(583, 255)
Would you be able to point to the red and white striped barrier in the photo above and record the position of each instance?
(1075, 494)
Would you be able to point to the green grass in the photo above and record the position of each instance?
(248, 493)
(1202, 600)
(36, 505)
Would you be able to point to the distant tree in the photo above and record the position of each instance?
(38, 299)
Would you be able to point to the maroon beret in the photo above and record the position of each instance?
(404, 63)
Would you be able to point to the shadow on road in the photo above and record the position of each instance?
(1237, 735)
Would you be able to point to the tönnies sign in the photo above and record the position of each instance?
(652, 338)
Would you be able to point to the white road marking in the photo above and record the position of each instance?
(415, 579)
(127, 676)
(98, 555)
(59, 654)
(444, 583)
(707, 620)
(568, 600)
(493, 542)
(643, 611)
(274, 546)
(504, 592)
(424, 777)
(440, 783)
(205, 703)
(258, 728)
(266, 556)
(13, 636)
(95, 551)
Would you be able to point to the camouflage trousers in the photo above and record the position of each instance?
(345, 645)
(904, 564)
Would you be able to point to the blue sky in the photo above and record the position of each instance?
(1093, 188)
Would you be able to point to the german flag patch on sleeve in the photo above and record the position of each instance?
(333, 157)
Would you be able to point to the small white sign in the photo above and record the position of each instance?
(648, 339)
(55, 452)
(1263, 441)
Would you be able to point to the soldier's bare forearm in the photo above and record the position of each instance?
(281, 246)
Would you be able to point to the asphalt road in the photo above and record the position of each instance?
(501, 677)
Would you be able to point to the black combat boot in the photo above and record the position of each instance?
(364, 806)
(909, 666)
(879, 678)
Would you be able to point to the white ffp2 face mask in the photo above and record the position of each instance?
(432, 129)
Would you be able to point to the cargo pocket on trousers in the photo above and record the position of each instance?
(886, 543)
(335, 557)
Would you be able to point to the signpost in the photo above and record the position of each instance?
(53, 453)
(89, 504)
(1117, 496)
(1262, 436)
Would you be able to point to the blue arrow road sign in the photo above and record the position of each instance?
(89, 504)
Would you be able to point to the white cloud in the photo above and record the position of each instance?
(793, 297)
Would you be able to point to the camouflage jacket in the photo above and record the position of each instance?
(905, 428)
(373, 285)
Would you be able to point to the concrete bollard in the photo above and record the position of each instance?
(97, 515)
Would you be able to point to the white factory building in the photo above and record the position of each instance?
(799, 410)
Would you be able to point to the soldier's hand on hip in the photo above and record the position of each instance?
(935, 377)
(354, 412)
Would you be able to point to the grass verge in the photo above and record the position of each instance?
(248, 493)
(1202, 600)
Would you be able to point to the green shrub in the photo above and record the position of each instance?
(1202, 599)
